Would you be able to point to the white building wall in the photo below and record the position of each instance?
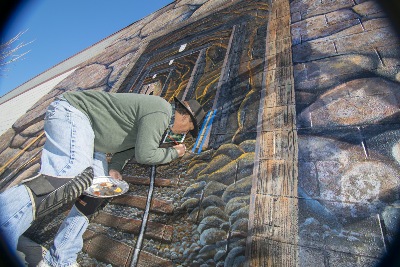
(11, 110)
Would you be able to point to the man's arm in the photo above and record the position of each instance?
(147, 150)
(119, 159)
(150, 130)
(116, 174)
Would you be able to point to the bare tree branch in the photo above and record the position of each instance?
(10, 51)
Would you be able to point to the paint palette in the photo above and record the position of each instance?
(171, 137)
(106, 186)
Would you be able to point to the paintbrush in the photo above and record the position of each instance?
(176, 143)
(173, 140)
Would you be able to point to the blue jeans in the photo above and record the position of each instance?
(68, 150)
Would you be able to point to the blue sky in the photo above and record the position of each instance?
(59, 29)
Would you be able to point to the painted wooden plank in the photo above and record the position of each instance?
(161, 182)
(157, 205)
(273, 223)
(154, 230)
(116, 252)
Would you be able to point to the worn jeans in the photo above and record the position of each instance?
(68, 150)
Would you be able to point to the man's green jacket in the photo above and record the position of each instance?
(127, 125)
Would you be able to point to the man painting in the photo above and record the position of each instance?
(81, 127)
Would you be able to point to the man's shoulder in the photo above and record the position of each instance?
(148, 103)
(157, 101)
(140, 96)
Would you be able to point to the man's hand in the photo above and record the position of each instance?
(115, 174)
(181, 148)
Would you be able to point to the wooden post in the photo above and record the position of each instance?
(273, 224)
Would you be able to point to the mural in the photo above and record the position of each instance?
(345, 62)
(300, 163)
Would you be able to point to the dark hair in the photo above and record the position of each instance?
(181, 109)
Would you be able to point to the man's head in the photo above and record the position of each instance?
(188, 116)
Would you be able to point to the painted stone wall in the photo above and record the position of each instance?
(346, 74)
(300, 166)
(218, 60)
(213, 51)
